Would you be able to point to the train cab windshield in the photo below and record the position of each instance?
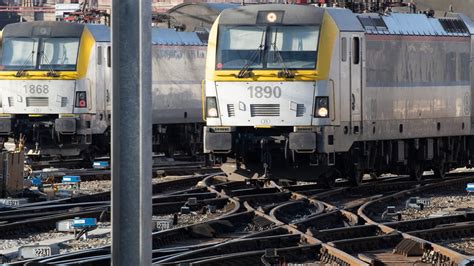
(40, 53)
(267, 47)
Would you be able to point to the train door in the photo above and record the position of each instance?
(100, 83)
(355, 70)
(108, 78)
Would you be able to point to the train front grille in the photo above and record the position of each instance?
(63, 101)
(230, 110)
(300, 110)
(264, 110)
(37, 101)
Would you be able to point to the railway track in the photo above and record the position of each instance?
(161, 169)
(298, 224)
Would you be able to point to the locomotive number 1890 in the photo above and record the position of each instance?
(36, 89)
(264, 92)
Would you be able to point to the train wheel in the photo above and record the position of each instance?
(416, 171)
(329, 179)
(440, 170)
(374, 176)
(356, 177)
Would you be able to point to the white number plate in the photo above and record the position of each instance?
(264, 91)
(29, 252)
(36, 89)
(164, 224)
(42, 252)
(10, 202)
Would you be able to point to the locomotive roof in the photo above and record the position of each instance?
(101, 33)
(165, 36)
(345, 19)
(43, 29)
(213, 6)
(292, 14)
(414, 24)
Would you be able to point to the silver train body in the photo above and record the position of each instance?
(399, 89)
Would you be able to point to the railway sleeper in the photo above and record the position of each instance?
(427, 223)
(237, 246)
(185, 197)
(300, 255)
(215, 228)
(364, 244)
(333, 219)
(446, 232)
(329, 235)
(296, 210)
(175, 207)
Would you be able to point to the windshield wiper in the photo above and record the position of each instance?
(22, 70)
(244, 72)
(51, 71)
(285, 72)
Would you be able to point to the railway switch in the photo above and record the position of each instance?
(185, 210)
(65, 225)
(71, 179)
(74, 182)
(211, 208)
(101, 165)
(470, 188)
(37, 181)
(391, 214)
(84, 223)
(271, 257)
(417, 203)
(192, 202)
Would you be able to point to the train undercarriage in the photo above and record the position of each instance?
(51, 136)
(269, 156)
(178, 139)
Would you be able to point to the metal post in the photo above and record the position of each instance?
(131, 132)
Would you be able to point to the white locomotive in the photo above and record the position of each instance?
(340, 94)
(55, 81)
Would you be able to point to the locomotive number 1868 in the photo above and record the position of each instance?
(36, 89)
(264, 92)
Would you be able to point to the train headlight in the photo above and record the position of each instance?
(321, 107)
(271, 17)
(211, 107)
(323, 112)
(81, 99)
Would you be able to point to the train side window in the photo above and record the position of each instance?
(109, 56)
(344, 49)
(99, 55)
(356, 50)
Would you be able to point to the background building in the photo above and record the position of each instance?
(165, 11)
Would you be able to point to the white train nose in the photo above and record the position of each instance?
(38, 96)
